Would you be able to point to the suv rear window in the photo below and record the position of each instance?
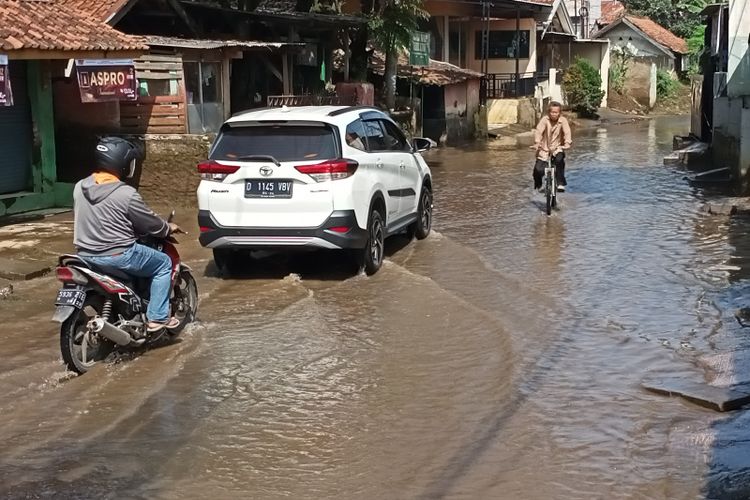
(283, 142)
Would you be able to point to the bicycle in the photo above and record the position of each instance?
(550, 185)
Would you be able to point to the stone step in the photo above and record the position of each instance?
(708, 396)
(22, 270)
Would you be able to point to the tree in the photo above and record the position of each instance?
(391, 25)
(681, 17)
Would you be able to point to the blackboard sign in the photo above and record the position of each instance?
(6, 94)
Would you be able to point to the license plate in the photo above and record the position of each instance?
(70, 297)
(256, 188)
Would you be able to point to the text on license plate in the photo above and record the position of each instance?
(70, 297)
(255, 188)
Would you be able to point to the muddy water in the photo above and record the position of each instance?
(499, 358)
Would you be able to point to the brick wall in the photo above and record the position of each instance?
(168, 177)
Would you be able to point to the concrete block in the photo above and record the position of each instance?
(681, 142)
(22, 270)
(672, 160)
(708, 396)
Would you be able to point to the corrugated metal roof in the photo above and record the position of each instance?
(193, 43)
(436, 73)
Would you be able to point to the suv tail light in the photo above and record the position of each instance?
(330, 170)
(212, 171)
(69, 275)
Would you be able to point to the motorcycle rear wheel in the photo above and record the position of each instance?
(80, 349)
(185, 302)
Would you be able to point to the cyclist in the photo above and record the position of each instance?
(551, 137)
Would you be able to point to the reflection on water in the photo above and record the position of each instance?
(499, 358)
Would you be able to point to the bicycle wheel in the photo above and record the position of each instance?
(548, 192)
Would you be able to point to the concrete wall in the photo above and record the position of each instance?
(739, 58)
(731, 137)
(502, 111)
(624, 36)
(461, 108)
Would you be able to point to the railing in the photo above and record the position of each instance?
(277, 101)
(505, 86)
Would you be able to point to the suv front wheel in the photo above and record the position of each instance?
(422, 226)
(370, 258)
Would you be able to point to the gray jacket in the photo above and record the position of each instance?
(109, 218)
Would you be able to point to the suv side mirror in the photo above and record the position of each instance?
(421, 144)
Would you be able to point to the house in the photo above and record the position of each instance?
(446, 98)
(648, 41)
(202, 66)
(721, 105)
(206, 61)
(519, 46)
(37, 39)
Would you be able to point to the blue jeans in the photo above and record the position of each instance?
(144, 262)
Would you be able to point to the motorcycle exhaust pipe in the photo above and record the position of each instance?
(110, 331)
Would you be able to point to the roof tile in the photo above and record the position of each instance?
(660, 34)
(53, 25)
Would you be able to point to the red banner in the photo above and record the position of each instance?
(6, 94)
(106, 80)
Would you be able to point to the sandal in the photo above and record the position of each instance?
(171, 323)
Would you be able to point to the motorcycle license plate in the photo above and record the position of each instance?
(71, 297)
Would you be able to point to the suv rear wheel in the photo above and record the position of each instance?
(370, 258)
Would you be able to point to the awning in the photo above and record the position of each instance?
(207, 44)
(711, 9)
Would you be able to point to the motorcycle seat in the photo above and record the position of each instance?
(109, 271)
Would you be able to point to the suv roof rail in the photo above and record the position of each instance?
(250, 110)
(341, 111)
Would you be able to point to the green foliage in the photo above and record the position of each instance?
(393, 21)
(582, 84)
(679, 16)
(666, 85)
(695, 46)
(391, 25)
(618, 70)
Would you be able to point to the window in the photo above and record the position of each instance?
(203, 79)
(394, 138)
(149, 87)
(355, 135)
(283, 142)
(503, 45)
(375, 136)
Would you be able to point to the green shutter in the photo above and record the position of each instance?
(16, 135)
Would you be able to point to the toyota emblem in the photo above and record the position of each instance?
(266, 171)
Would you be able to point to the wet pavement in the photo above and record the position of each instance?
(499, 358)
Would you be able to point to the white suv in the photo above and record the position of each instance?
(339, 178)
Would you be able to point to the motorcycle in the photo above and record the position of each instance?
(102, 310)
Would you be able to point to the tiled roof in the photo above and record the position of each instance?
(98, 9)
(659, 34)
(612, 10)
(50, 25)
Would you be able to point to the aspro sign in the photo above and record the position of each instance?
(6, 94)
(106, 79)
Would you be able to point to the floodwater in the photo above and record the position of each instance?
(499, 358)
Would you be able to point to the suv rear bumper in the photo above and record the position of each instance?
(214, 235)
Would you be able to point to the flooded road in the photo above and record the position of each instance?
(499, 358)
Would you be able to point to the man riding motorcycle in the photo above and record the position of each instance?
(110, 216)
